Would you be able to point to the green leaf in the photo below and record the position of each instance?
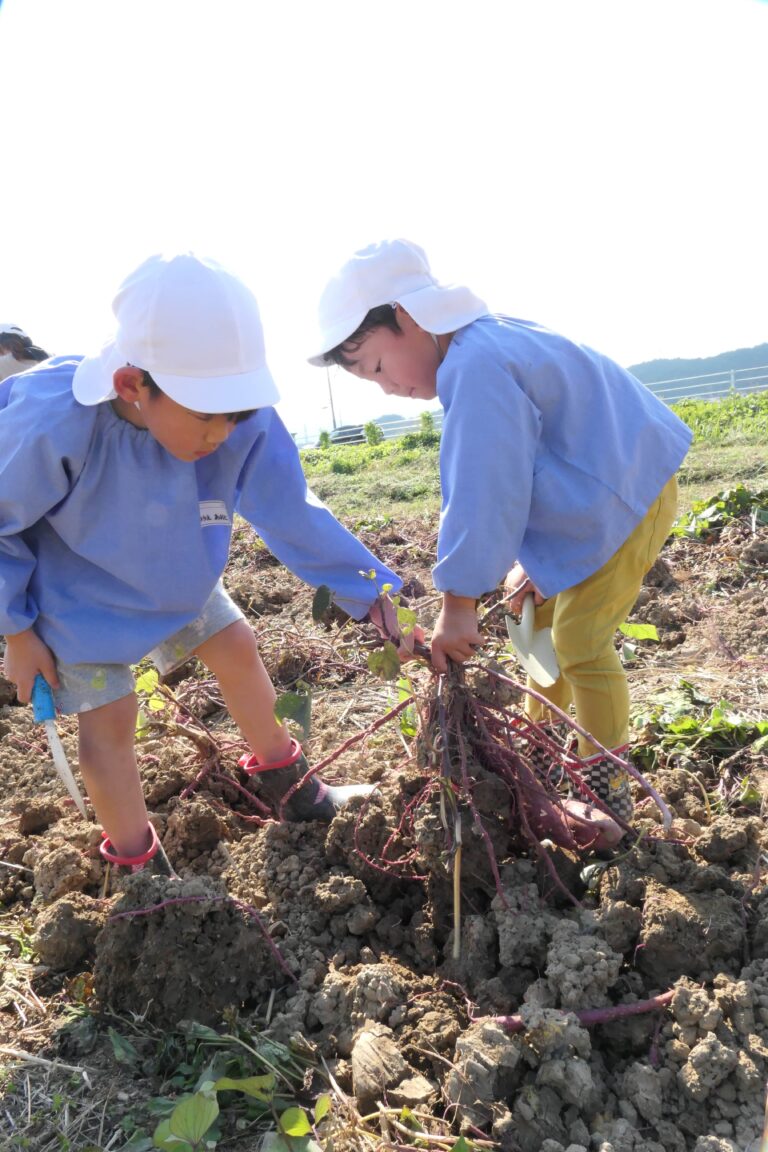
(462, 1145)
(385, 662)
(191, 1119)
(196, 1031)
(408, 725)
(321, 602)
(260, 1087)
(164, 1138)
(274, 1142)
(640, 631)
(156, 703)
(322, 1107)
(294, 1122)
(406, 620)
(628, 652)
(296, 706)
(148, 682)
(123, 1050)
(749, 794)
(138, 1142)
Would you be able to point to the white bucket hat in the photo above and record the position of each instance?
(12, 330)
(390, 272)
(195, 328)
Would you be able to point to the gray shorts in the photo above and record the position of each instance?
(88, 686)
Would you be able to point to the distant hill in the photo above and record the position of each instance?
(654, 370)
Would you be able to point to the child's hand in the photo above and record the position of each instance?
(383, 614)
(456, 635)
(517, 586)
(25, 656)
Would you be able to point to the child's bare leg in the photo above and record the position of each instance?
(233, 657)
(111, 774)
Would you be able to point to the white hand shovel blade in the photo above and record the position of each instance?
(534, 650)
(44, 711)
(62, 767)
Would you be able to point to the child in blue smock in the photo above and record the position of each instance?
(120, 477)
(557, 469)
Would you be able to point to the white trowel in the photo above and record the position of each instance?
(44, 712)
(534, 650)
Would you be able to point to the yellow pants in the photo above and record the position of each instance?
(584, 620)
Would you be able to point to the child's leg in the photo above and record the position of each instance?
(233, 656)
(585, 621)
(109, 769)
(104, 701)
(224, 641)
(558, 693)
(277, 761)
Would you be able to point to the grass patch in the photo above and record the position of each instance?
(387, 477)
(728, 449)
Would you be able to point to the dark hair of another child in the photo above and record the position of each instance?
(383, 316)
(156, 390)
(21, 347)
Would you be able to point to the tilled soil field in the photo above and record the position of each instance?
(589, 1003)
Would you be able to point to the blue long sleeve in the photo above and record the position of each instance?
(108, 544)
(551, 454)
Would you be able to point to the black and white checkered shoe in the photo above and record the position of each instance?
(610, 782)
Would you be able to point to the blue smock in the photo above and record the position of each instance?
(109, 544)
(551, 454)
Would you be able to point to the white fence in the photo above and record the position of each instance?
(712, 385)
(391, 429)
(709, 386)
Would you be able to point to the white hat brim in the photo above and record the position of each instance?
(438, 308)
(93, 383)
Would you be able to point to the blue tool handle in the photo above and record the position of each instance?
(43, 707)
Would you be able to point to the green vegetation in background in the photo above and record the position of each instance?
(403, 475)
(680, 721)
(727, 420)
(706, 517)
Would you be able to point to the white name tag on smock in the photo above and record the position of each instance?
(213, 512)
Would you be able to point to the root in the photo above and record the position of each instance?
(591, 1017)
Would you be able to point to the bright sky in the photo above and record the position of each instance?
(596, 165)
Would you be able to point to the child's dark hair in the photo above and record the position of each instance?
(156, 390)
(21, 347)
(384, 316)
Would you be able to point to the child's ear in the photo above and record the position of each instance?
(405, 320)
(128, 382)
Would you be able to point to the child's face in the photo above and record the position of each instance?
(187, 435)
(402, 363)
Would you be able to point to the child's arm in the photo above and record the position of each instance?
(300, 530)
(491, 432)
